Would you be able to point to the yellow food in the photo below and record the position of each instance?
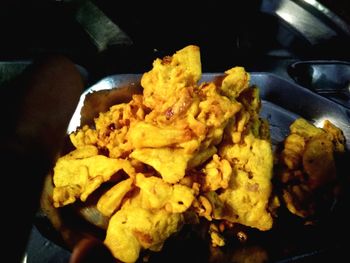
(112, 199)
(250, 186)
(79, 173)
(307, 167)
(180, 147)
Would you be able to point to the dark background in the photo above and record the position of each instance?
(228, 32)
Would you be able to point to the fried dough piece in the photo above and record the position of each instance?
(185, 146)
(217, 174)
(114, 125)
(294, 146)
(337, 136)
(144, 135)
(112, 199)
(83, 137)
(235, 81)
(247, 119)
(187, 149)
(111, 128)
(304, 129)
(79, 173)
(186, 121)
(318, 161)
(148, 219)
(157, 194)
(134, 228)
(170, 163)
(171, 74)
(307, 167)
(247, 148)
(247, 197)
(215, 112)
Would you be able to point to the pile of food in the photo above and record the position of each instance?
(307, 168)
(185, 151)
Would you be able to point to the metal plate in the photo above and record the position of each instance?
(329, 78)
(289, 241)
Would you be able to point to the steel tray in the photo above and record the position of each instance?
(282, 102)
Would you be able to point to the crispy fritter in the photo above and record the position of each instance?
(163, 84)
(247, 197)
(184, 146)
(170, 163)
(307, 167)
(134, 228)
(110, 201)
(79, 173)
(218, 173)
(235, 81)
(148, 219)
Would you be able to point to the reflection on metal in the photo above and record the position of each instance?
(131, 81)
(99, 27)
(104, 84)
(328, 13)
(320, 122)
(329, 78)
(306, 19)
(313, 29)
(24, 260)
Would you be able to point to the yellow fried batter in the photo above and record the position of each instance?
(148, 219)
(144, 135)
(163, 84)
(157, 194)
(79, 173)
(170, 163)
(184, 146)
(307, 165)
(236, 81)
(218, 174)
(112, 199)
(246, 199)
(134, 228)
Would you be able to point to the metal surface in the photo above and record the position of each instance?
(327, 78)
(344, 26)
(282, 102)
(309, 18)
(293, 100)
(11, 69)
(101, 29)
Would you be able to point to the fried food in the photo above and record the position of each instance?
(133, 228)
(307, 167)
(170, 78)
(182, 147)
(149, 218)
(247, 196)
(81, 172)
(112, 199)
